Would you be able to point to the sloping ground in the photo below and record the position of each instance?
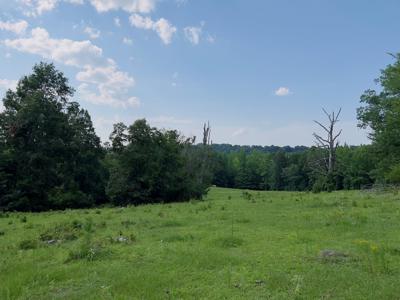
(233, 245)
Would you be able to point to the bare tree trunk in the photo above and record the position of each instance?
(206, 134)
(330, 143)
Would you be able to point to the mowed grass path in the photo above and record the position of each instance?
(233, 245)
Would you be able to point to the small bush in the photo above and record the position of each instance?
(24, 219)
(62, 232)
(247, 196)
(28, 244)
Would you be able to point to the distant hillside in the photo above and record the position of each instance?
(228, 148)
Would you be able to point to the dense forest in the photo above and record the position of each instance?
(51, 157)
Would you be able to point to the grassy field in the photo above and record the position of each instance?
(233, 245)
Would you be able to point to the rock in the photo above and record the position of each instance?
(50, 242)
(122, 239)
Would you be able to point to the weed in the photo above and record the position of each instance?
(88, 225)
(87, 250)
(374, 256)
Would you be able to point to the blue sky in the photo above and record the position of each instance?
(259, 71)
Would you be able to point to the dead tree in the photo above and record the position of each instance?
(330, 142)
(206, 134)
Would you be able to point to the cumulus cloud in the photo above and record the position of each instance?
(15, 27)
(282, 91)
(93, 33)
(193, 34)
(101, 80)
(131, 6)
(34, 8)
(162, 27)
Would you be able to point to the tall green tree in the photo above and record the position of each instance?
(381, 114)
(50, 154)
(154, 166)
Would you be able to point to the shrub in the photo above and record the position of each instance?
(28, 244)
(62, 232)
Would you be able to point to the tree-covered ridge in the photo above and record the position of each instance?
(228, 148)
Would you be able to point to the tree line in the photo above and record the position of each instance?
(51, 157)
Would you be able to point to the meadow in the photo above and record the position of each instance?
(233, 245)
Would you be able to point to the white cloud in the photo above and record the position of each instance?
(162, 27)
(141, 22)
(169, 120)
(6, 84)
(93, 33)
(127, 41)
(131, 6)
(15, 27)
(69, 52)
(282, 91)
(117, 22)
(34, 8)
(164, 30)
(193, 34)
(101, 80)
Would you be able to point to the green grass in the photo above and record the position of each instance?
(233, 245)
